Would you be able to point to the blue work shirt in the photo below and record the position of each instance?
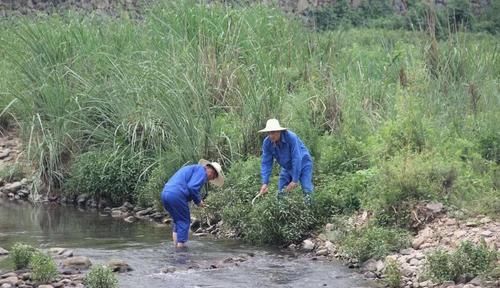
(187, 182)
(290, 152)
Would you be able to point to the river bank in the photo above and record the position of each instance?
(441, 231)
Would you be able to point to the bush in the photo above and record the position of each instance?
(233, 202)
(392, 274)
(374, 242)
(110, 174)
(468, 259)
(12, 173)
(340, 155)
(43, 268)
(489, 146)
(100, 277)
(342, 195)
(280, 221)
(21, 255)
(404, 181)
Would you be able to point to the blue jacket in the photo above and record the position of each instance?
(187, 183)
(290, 152)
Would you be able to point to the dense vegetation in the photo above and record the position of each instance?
(112, 106)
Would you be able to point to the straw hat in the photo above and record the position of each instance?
(272, 125)
(219, 181)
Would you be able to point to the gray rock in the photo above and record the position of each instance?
(370, 275)
(369, 265)
(4, 154)
(487, 233)
(424, 236)
(322, 252)
(56, 251)
(485, 220)
(3, 252)
(471, 224)
(79, 262)
(380, 265)
(13, 187)
(406, 251)
(329, 227)
(307, 245)
(414, 262)
(130, 219)
(448, 284)
(329, 246)
(82, 199)
(157, 216)
(45, 286)
(6, 285)
(7, 275)
(465, 278)
(292, 247)
(144, 212)
(119, 266)
(169, 269)
(9, 280)
(435, 207)
(200, 234)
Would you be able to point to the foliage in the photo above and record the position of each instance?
(468, 259)
(280, 220)
(43, 268)
(21, 255)
(404, 181)
(374, 242)
(109, 174)
(392, 274)
(100, 276)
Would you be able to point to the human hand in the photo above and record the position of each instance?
(292, 185)
(263, 189)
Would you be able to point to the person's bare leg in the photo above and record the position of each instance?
(180, 245)
(174, 238)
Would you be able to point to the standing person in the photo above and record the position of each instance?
(184, 186)
(291, 154)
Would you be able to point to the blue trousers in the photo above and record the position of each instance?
(305, 179)
(178, 208)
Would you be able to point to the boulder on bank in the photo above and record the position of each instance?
(3, 252)
(118, 266)
(78, 262)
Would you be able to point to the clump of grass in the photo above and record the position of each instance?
(374, 242)
(43, 268)
(468, 259)
(21, 255)
(100, 277)
(392, 274)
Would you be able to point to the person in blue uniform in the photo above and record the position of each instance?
(184, 186)
(292, 155)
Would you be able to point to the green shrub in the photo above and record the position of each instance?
(339, 195)
(43, 268)
(12, 173)
(404, 181)
(489, 146)
(392, 274)
(340, 155)
(233, 202)
(21, 255)
(374, 242)
(468, 259)
(109, 174)
(100, 277)
(282, 220)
